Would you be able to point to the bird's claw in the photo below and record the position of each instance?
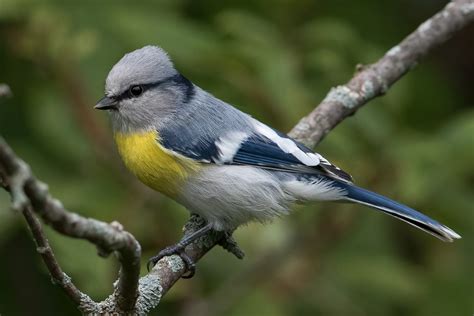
(174, 250)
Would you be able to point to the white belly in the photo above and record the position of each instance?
(229, 196)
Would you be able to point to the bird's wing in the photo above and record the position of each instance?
(269, 148)
(263, 147)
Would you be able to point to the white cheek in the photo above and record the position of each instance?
(132, 116)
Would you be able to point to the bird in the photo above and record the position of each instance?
(217, 161)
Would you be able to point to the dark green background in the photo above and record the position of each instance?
(275, 60)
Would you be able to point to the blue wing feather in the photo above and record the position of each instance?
(256, 150)
(260, 150)
(189, 145)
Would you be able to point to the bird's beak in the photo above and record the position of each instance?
(106, 103)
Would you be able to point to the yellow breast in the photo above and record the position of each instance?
(153, 164)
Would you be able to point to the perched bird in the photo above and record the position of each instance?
(217, 161)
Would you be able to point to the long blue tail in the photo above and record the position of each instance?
(395, 209)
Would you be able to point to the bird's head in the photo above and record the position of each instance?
(143, 90)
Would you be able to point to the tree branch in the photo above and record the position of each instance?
(44, 249)
(374, 80)
(26, 190)
(136, 295)
(46, 252)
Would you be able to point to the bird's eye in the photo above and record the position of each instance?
(135, 91)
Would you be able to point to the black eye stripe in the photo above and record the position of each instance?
(178, 79)
(127, 95)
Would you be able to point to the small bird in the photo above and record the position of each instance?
(217, 161)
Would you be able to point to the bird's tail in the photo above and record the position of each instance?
(400, 211)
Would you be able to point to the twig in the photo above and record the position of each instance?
(374, 80)
(25, 189)
(44, 249)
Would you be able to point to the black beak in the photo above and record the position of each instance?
(106, 103)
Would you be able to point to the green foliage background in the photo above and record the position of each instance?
(275, 60)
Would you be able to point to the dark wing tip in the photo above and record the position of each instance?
(336, 172)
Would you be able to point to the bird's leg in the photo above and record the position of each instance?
(178, 249)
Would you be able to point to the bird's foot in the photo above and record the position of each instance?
(228, 243)
(178, 249)
(174, 250)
